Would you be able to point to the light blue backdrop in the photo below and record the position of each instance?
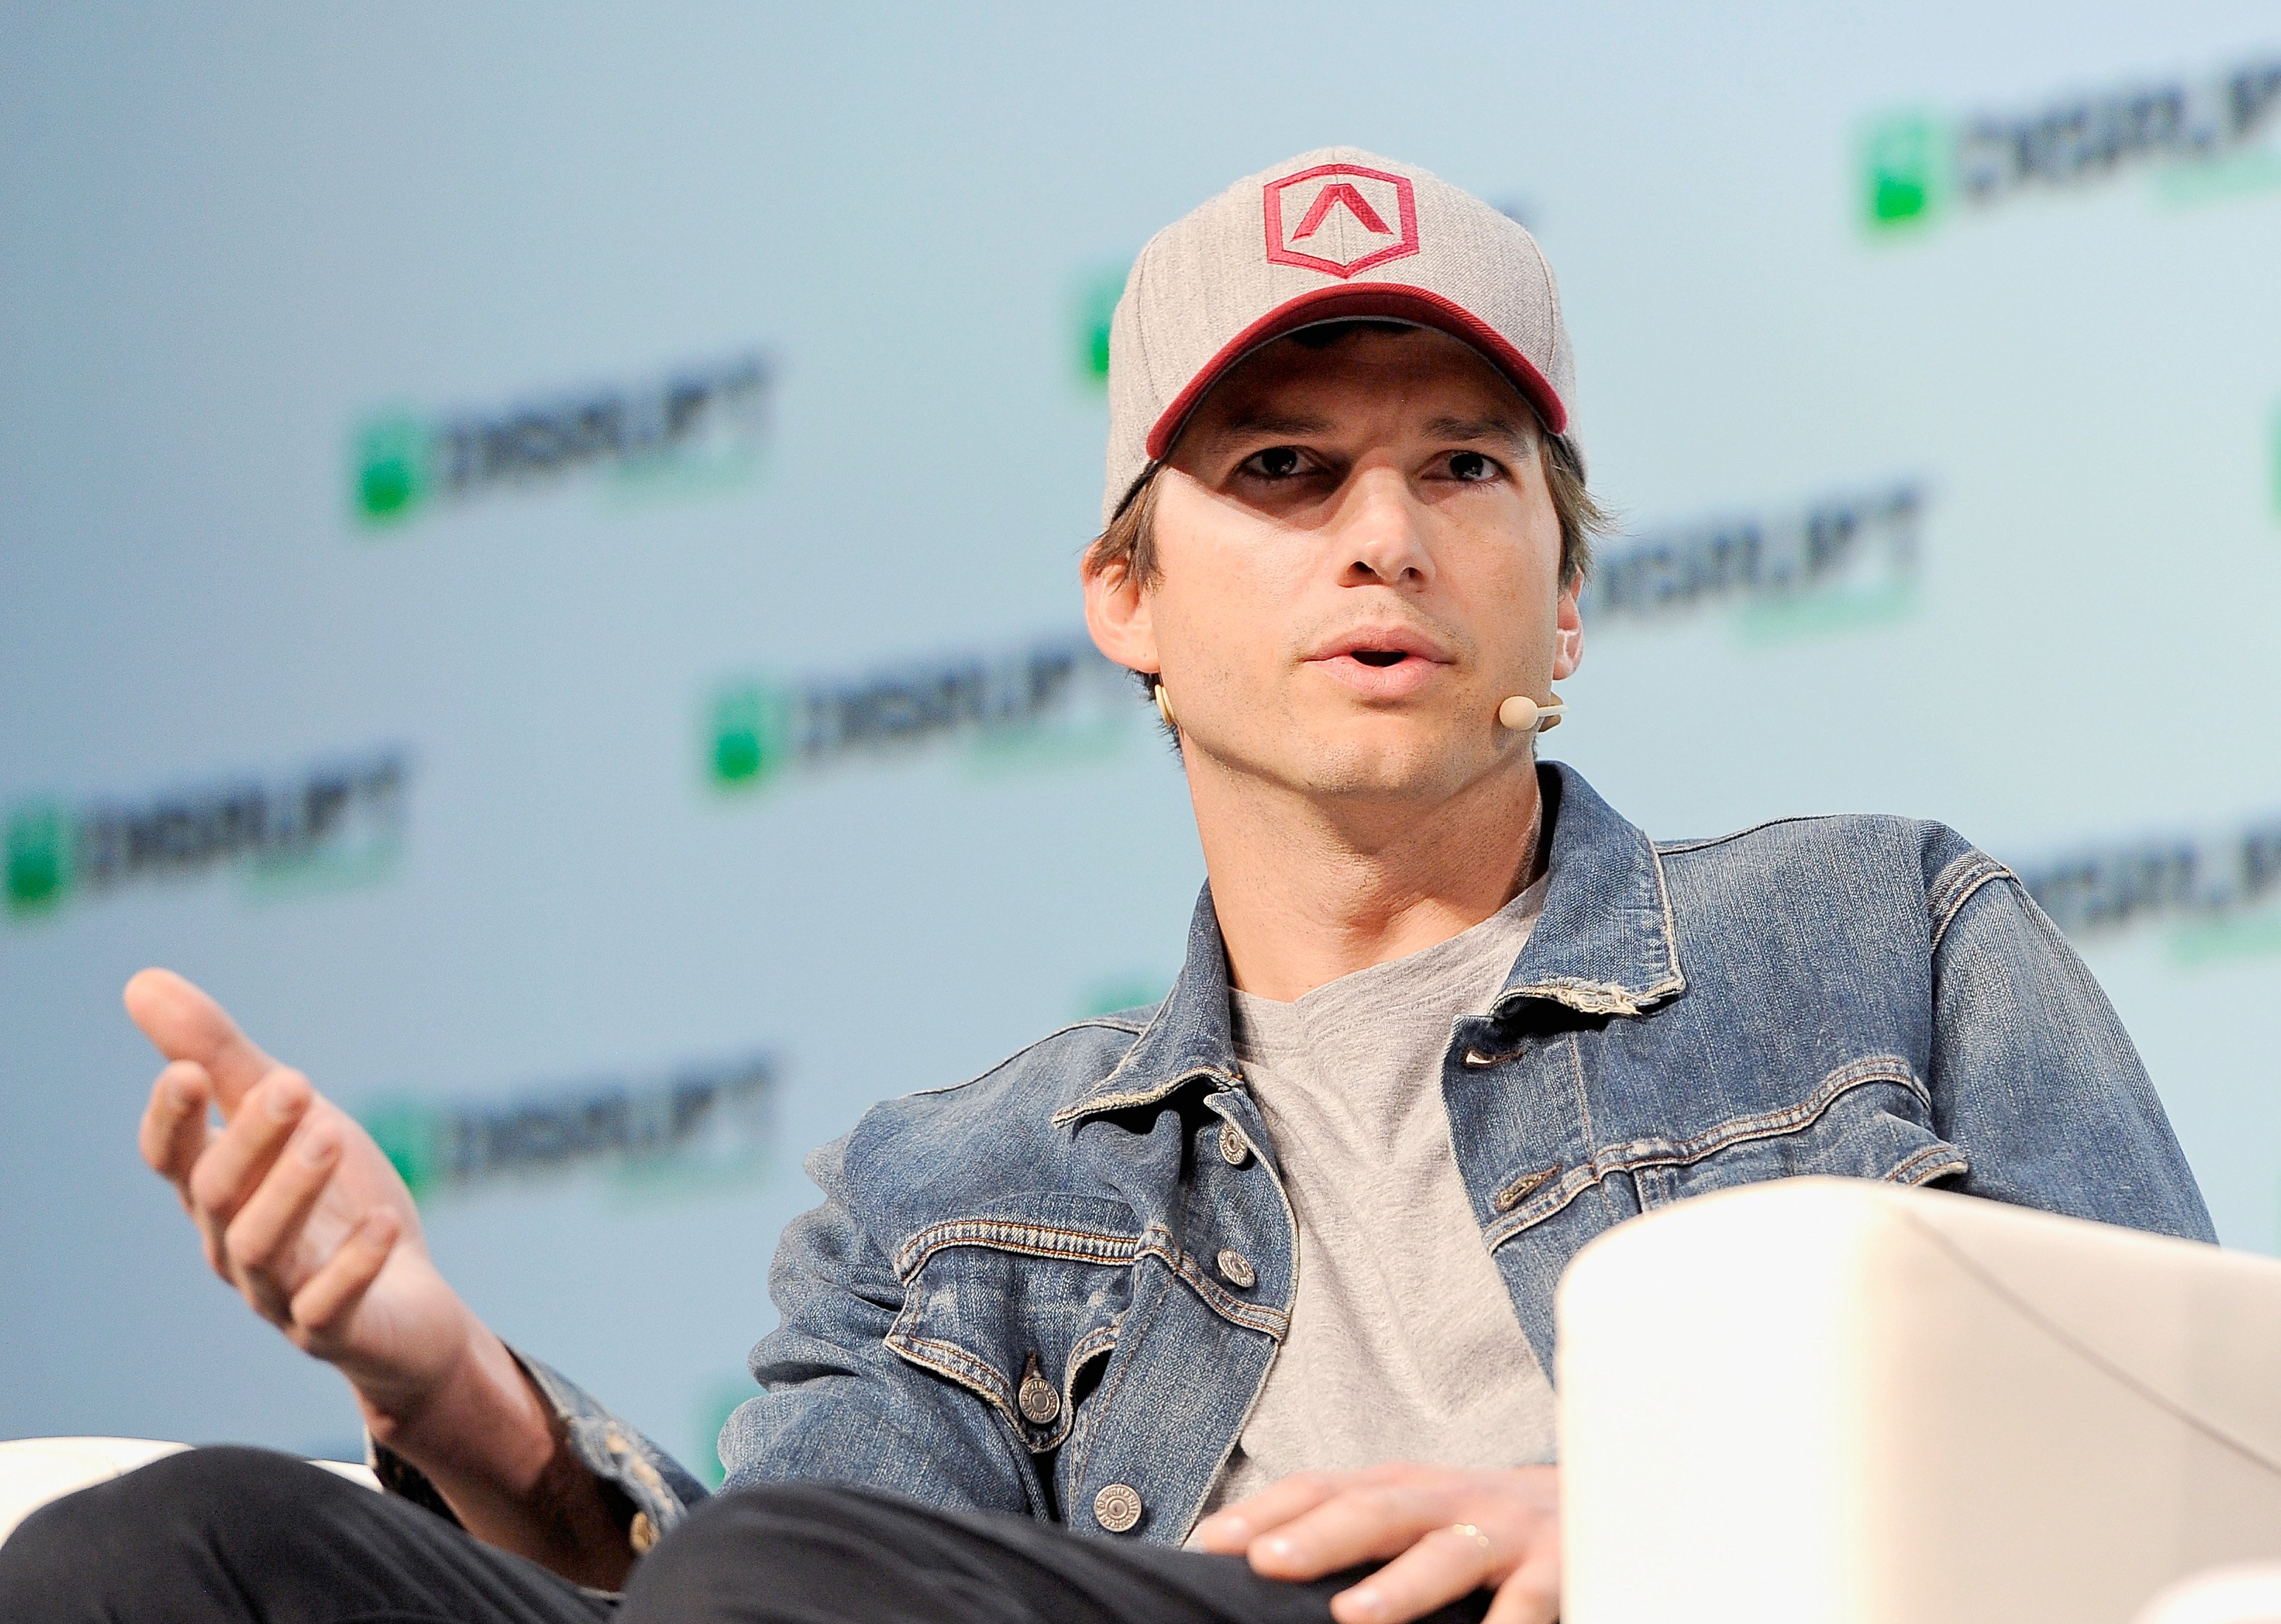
(454, 464)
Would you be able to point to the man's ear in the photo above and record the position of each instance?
(1568, 633)
(1117, 615)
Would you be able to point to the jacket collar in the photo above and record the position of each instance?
(1604, 945)
(1186, 1040)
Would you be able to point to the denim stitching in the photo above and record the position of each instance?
(1952, 874)
(1611, 997)
(1584, 1109)
(1940, 1160)
(1954, 887)
(1101, 1339)
(1677, 977)
(1965, 870)
(1677, 847)
(1156, 1015)
(961, 1366)
(1890, 1069)
(1083, 1437)
(1092, 1020)
(1035, 1241)
(1274, 1322)
(1095, 1104)
(1012, 1235)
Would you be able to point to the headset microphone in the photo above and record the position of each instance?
(1523, 715)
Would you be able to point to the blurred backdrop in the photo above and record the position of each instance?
(537, 561)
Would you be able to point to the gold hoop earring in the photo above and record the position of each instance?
(1165, 707)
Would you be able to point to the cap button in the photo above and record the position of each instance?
(1233, 1150)
(1236, 1270)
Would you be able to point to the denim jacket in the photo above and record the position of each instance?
(1012, 1296)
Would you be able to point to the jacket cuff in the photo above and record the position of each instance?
(661, 1491)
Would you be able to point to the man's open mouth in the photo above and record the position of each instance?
(1381, 656)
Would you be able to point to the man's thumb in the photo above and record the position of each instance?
(182, 1023)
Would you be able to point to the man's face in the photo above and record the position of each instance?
(1358, 559)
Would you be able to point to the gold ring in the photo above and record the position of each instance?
(1472, 1532)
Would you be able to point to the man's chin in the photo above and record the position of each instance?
(1417, 765)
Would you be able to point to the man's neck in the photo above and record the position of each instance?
(1309, 889)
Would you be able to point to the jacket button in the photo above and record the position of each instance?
(1233, 1150)
(1038, 1402)
(1116, 1508)
(1236, 1270)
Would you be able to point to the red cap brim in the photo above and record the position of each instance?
(1386, 300)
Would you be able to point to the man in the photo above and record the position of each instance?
(1267, 1270)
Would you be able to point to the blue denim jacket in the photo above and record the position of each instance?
(1008, 1298)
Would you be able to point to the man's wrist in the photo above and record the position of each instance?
(477, 1420)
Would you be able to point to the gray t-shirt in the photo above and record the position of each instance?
(1403, 1344)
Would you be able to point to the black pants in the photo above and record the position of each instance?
(250, 1537)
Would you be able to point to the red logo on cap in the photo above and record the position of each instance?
(1338, 218)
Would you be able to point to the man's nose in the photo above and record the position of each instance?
(1381, 530)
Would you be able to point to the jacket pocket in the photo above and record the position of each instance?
(1016, 1301)
(1869, 1118)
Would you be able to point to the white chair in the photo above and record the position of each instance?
(1831, 1401)
(2240, 1595)
(35, 1471)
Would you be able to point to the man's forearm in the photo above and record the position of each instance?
(494, 1449)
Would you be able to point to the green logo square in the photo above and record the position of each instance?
(410, 1135)
(1096, 308)
(2277, 462)
(1903, 162)
(38, 860)
(389, 469)
(751, 734)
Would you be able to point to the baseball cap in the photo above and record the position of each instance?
(1331, 234)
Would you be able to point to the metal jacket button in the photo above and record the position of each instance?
(1233, 1150)
(1236, 1270)
(1116, 1508)
(1040, 1403)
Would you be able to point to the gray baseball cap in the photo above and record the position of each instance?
(1328, 235)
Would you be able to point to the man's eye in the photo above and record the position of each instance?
(1276, 462)
(1472, 466)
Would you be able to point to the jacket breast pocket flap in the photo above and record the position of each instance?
(1868, 1119)
(1016, 1301)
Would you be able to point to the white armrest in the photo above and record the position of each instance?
(35, 1471)
(1834, 1402)
(2240, 1595)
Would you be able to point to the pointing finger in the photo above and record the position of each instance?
(184, 1022)
(173, 1129)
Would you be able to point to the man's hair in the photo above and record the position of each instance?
(1130, 537)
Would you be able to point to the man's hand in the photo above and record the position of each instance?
(301, 1212)
(296, 1206)
(1442, 1533)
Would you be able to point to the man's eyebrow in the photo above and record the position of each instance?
(1481, 428)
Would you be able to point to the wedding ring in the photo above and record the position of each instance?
(1470, 1533)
